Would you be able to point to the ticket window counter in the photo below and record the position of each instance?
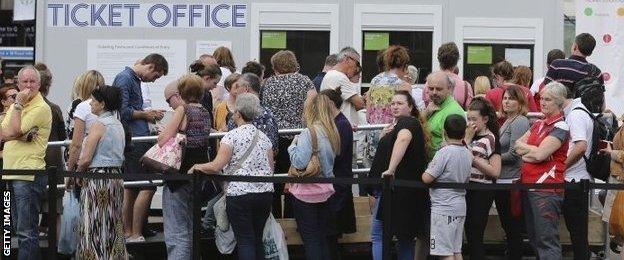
(478, 59)
(310, 47)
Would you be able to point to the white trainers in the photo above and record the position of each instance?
(135, 239)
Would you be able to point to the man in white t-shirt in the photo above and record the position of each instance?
(574, 204)
(348, 65)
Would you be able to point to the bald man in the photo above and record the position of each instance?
(172, 96)
(440, 87)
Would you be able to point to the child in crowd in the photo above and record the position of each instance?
(452, 163)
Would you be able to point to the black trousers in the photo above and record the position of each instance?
(478, 204)
(575, 213)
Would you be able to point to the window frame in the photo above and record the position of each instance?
(293, 17)
(379, 17)
(528, 31)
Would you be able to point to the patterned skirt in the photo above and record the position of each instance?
(100, 229)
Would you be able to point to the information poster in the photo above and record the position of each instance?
(374, 41)
(208, 47)
(273, 40)
(479, 54)
(605, 21)
(110, 57)
(518, 57)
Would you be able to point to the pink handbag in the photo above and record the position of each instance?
(165, 159)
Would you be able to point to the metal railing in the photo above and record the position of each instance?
(386, 185)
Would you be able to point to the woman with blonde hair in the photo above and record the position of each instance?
(311, 208)
(481, 86)
(80, 117)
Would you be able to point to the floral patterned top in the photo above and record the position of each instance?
(285, 96)
(266, 123)
(257, 164)
(380, 95)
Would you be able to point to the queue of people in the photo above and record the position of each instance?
(450, 134)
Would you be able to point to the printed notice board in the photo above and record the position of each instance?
(479, 54)
(273, 40)
(374, 41)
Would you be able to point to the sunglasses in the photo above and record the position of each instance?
(357, 63)
(170, 97)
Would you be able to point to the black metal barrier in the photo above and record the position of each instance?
(387, 185)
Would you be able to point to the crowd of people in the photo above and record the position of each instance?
(447, 131)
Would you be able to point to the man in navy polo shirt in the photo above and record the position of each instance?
(137, 200)
(576, 67)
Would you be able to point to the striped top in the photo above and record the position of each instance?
(569, 71)
(483, 146)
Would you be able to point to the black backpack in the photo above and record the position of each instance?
(591, 90)
(599, 165)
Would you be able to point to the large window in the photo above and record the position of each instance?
(479, 58)
(310, 47)
(419, 45)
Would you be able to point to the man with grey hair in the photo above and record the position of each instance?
(265, 121)
(442, 104)
(348, 65)
(27, 115)
(330, 61)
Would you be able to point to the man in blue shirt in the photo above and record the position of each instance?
(137, 200)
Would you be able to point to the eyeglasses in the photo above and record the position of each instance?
(13, 96)
(170, 97)
(357, 63)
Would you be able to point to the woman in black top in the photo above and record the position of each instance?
(402, 153)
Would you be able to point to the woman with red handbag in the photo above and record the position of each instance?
(544, 150)
(508, 203)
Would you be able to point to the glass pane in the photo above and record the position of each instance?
(474, 69)
(310, 47)
(419, 45)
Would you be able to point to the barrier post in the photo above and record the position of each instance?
(51, 172)
(387, 218)
(196, 209)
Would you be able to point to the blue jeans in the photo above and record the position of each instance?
(27, 198)
(405, 245)
(178, 221)
(248, 213)
(311, 221)
(542, 211)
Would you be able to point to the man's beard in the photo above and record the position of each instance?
(437, 100)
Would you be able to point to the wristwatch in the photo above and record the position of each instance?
(17, 106)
